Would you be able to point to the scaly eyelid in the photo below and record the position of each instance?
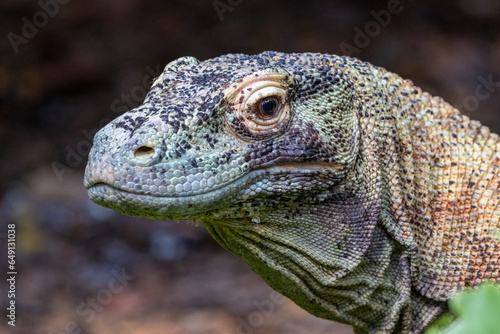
(256, 81)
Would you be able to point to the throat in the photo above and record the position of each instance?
(328, 275)
(381, 287)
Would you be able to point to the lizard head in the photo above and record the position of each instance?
(224, 134)
(262, 150)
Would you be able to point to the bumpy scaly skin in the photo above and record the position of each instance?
(361, 198)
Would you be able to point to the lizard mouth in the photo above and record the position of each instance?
(150, 206)
(186, 206)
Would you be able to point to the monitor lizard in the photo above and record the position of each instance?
(345, 187)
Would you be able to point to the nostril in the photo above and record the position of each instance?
(144, 150)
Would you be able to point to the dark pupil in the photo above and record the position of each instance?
(268, 107)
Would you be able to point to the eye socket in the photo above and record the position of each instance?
(268, 107)
(260, 105)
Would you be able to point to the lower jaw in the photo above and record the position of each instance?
(155, 207)
(194, 206)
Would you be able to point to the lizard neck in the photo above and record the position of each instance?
(443, 198)
(438, 178)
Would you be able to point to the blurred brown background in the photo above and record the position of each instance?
(67, 67)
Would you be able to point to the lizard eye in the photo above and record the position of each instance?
(265, 107)
(268, 107)
(260, 105)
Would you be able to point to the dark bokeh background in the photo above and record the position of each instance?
(89, 61)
